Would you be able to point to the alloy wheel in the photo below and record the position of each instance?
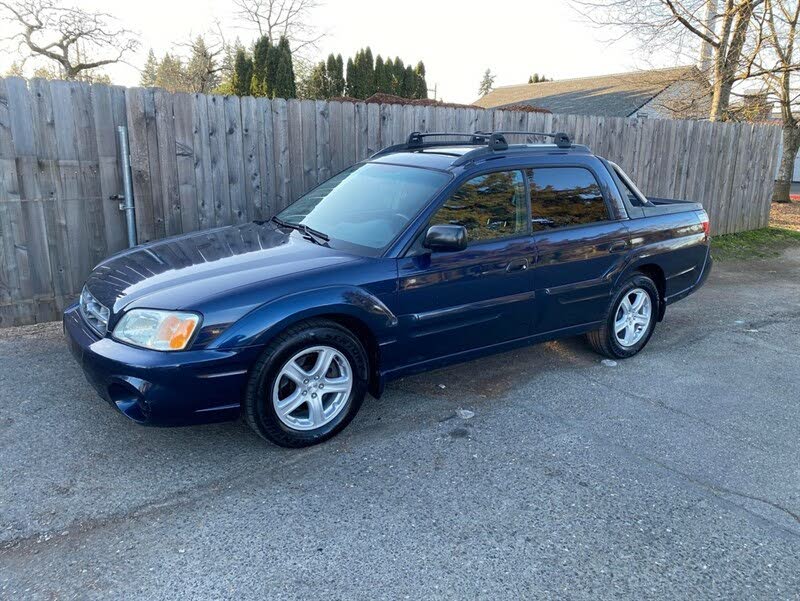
(633, 316)
(312, 388)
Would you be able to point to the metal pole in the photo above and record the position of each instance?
(127, 185)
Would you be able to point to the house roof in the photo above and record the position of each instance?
(615, 95)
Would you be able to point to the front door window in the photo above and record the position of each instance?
(490, 206)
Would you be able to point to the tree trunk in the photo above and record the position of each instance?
(791, 144)
(720, 99)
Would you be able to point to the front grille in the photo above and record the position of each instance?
(93, 313)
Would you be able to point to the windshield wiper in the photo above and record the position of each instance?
(310, 233)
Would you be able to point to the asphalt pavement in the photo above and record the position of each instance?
(539, 473)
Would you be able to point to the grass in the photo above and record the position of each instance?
(755, 244)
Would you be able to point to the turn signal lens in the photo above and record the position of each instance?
(157, 330)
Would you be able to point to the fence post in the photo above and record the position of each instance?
(127, 185)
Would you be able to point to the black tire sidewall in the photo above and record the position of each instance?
(646, 284)
(260, 392)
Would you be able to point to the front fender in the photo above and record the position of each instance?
(262, 324)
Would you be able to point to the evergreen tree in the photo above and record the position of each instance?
(227, 67)
(388, 76)
(335, 78)
(285, 86)
(350, 87)
(202, 70)
(273, 58)
(261, 50)
(150, 70)
(361, 75)
(319, 82)
(398, 76)
(368, 74)
(340, 74)
(536, 78)
(170, 74)
(242, 74)
(380, 76)
(421, 88)
(487, 83)
(409, 82)
(358, 75)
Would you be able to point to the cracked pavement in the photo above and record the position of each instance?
(674, 474)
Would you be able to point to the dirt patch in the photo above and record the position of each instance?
(785, 215)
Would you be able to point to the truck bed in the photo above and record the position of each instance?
(663, 206)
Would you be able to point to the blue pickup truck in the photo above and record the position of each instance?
(445, 248)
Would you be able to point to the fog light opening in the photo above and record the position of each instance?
(129, 401)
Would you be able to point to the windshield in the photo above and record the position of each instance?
(367, 205)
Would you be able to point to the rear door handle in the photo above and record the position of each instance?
(517, 265)
(618, 246)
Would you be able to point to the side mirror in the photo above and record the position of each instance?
(446, 238)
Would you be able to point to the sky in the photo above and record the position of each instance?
(457, 40)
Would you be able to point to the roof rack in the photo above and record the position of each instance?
(492, 141)
(559, 138)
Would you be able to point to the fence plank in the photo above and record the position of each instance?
(183, 113)
(236, 170)
(168, 159)
(361, 131)
(308, 119)
(218, 161)
(323, 141)
(280, 129)
(54, 214)
(26, 215)
(296, 165)
(140, 164)
(203, 179)
(336, 129)
(253, 151)
(110, 175)
(267, 158)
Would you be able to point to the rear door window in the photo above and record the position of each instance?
(564, 197)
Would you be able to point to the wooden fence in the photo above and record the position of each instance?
(204, 161)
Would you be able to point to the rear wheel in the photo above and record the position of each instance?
(631, 319)
(308, 384)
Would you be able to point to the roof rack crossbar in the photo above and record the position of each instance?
(416, 139)
(559, 138)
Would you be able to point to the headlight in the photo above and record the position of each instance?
(158, 330)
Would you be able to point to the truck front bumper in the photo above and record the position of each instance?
(160, 388)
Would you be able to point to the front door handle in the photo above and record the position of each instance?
(517, 265)
(618, 246)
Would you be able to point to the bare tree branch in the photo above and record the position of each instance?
(291, 19)
(779, 63)
(67, 36)
(733, 34)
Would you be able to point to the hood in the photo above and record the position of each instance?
(184, 271)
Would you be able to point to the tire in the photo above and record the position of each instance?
(606, 341)
(292, 369)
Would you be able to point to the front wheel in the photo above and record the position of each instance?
(308, 384)
(631, 319)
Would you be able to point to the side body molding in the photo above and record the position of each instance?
(257, 327)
